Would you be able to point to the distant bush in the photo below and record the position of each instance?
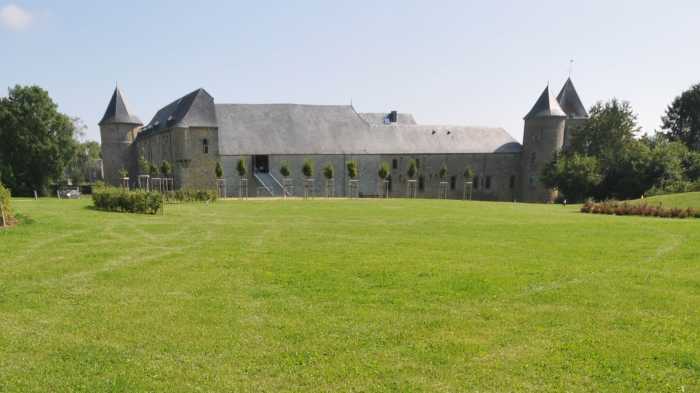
(121, 200)
(352, 169)
(5, 201)
(192, 195)
(631, 209)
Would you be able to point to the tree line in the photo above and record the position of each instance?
(606, 160)
(40, 145)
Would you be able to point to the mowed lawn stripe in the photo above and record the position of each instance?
(347, 295)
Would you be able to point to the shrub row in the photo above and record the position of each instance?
(643, 209)
(192, 195)
(5, 201)
(121, 200)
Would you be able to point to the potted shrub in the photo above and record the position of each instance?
(468, 178)
(308, 170)
(124, 176)
(286, 182)
(144, 169)
(220, 183)
(353, 186)
(328, 173)
(166, 169)
(383, 172)
(243, 180)
(443, 181)
(411, 173)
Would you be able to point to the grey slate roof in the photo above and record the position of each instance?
(118, 111)
(546, 106)
(195, 109)
(338, 129)
(378, 118)
(570, 102)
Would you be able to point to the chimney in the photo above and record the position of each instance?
(393, 117)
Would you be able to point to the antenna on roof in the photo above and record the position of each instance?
(571, 67)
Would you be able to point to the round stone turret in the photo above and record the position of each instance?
(543, 137)
(118, 129)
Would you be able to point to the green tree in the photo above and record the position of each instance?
(308, 168)
(36, 140)
(328, 171)
(575, 175)
(153, 169)
(144, 165)
(241, 168)
(352, 169)
(607, 133)
(691, 166)
(682, 120)
(284, 169)
(609, 137)
(383, 171)
(165, 168)
(443, 171)
(218, 171)
(412, 169)
(123, 173)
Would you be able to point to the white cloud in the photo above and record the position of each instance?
(14, 17)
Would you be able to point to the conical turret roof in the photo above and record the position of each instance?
(546, 106)
(570, 102)
(118, 111)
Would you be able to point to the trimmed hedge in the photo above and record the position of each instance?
(5, 201)
(192, 195)
(121, 200)
(643, 209)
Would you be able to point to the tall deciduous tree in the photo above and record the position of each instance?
(682, 119)
(575, 175)
(37, 140)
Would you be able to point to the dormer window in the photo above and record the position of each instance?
(205, 146)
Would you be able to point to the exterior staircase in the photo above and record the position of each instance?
(270, 183)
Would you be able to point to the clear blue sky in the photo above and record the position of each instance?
(447, 62)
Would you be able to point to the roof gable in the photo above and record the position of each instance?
(195, 109)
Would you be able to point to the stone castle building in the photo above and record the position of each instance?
(193, 133)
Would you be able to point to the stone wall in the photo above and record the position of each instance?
(497, 174)
(184, 148)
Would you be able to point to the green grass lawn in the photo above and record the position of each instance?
(347, 296)
(688, 199)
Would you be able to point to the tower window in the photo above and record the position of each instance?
(475, 182)
(512, 182)
(395, 164)
(488, 182)
(205, 146)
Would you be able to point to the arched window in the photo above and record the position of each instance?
(512, 181)
(453, 182)
(395, 163)
(488, 182)
(475, 182)
(205, 146)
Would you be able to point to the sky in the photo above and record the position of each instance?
(481, 63)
